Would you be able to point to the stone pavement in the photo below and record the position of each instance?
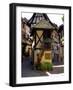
(28, 71)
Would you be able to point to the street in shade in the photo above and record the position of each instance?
(29, 71)
(42, 46)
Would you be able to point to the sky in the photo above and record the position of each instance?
(54, 18)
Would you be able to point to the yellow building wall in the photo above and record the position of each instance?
(47, 57)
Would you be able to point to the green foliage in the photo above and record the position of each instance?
(45, 66)
(38, 66)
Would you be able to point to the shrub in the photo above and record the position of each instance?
(45, 66)
(38, 66)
